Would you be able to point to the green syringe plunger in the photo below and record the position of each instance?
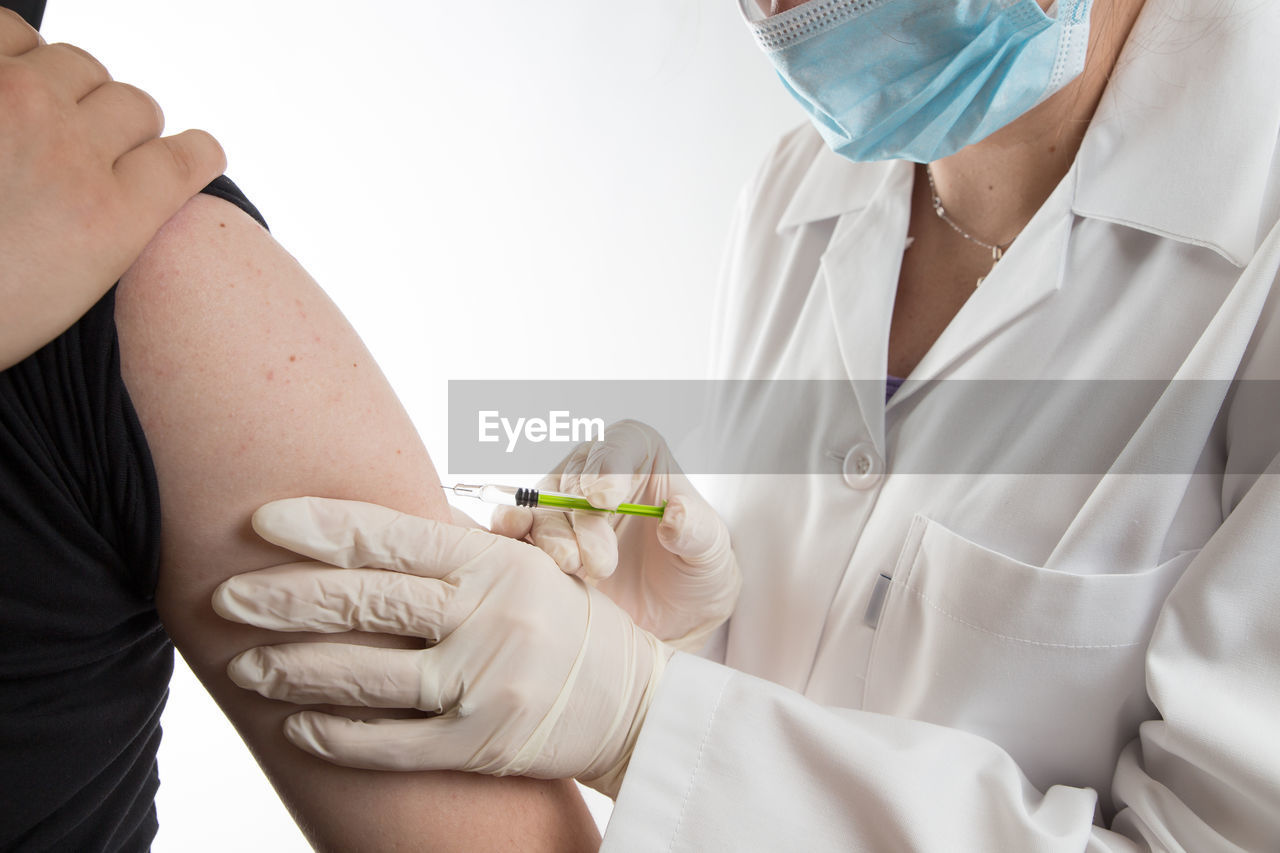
(519, 496)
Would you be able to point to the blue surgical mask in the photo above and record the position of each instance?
(920, 79)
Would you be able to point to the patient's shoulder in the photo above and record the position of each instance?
(249, 382)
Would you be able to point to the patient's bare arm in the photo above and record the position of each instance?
(251, 386)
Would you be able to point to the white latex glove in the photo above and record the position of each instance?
(532, 672)
(678, 578)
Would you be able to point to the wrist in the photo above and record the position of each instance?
(650, 658)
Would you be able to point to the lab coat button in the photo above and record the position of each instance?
(863, 467)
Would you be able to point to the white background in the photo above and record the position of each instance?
(466, 179)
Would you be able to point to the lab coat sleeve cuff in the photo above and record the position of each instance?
(669, 756)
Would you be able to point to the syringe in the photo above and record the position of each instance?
(516, 496)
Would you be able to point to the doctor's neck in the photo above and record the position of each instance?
(996, 185)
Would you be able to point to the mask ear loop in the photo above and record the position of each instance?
(751, 11)
(1073, 43)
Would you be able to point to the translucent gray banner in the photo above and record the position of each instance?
(1093, 427)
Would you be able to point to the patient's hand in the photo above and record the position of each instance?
(85, 182)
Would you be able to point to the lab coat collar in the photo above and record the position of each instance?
(1184, 141)
(833, 186)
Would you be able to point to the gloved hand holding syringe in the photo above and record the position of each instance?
(677, 576)
(540, 499)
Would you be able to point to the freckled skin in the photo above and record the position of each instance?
(222, 445)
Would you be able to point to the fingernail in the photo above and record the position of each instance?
(672, 524)
(565, 554)
(299, 731)
(604, 491)
(599, 558)
(266, 517)
(228, 602)
(511, 521)
(247, 670)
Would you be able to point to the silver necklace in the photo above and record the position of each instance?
(997, 249)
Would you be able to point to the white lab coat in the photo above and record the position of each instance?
(1053, 661)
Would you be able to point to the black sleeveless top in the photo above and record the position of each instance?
(32, 11)
(84, 661)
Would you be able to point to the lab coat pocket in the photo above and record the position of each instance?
(1048, 665)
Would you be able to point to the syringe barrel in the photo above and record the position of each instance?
(502, 495)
